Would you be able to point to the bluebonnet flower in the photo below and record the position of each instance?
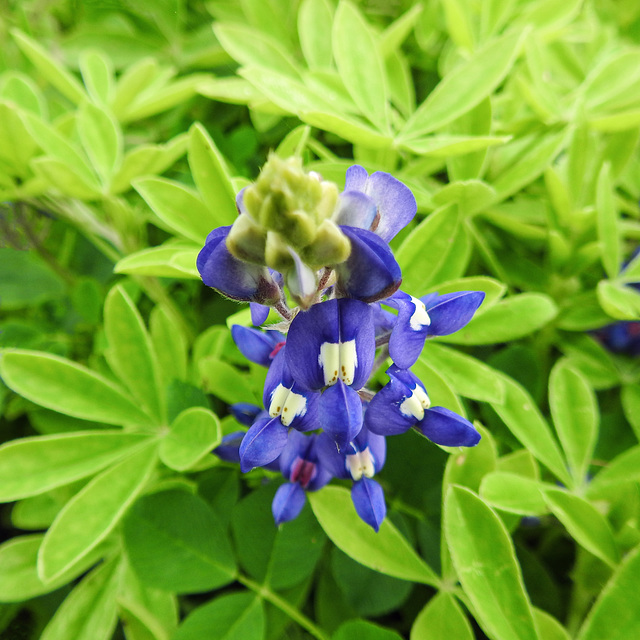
(301, 464)
(331, 251)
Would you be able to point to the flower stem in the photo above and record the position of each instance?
(266, 594)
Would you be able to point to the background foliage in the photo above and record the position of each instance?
(125, 131)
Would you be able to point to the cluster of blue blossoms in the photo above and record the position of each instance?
(330, 250)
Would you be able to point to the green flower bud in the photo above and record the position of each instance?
(329, 247)
(247, 240)
(277, 254)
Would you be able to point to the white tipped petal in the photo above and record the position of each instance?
(419, 318)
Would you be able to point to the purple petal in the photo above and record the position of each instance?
(447, 428)
(340, 414)
(231, 277)
(245, 413)
(332, 340)
(370, 273)
(255, 345)
(376, 444)
(302, 281)
(288, 502)
(263, 443)
(452, 311)
(398, 405)
(355, 209)
(368, 499)
(395, 202)
(229, 449)
(356, 178)
(410, 330)
(259, 313)
(329, 456)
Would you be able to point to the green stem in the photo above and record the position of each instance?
(266, 594)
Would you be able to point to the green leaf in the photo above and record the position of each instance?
(67, 387)
(575, 416)
(23, 92)
(357, 55)
(225, 381)
(467, 375)
(608, 232)
(166, 261)
(493, 289)
(630, 397)
(513, 493)
(623, 468)
(487, 567)
(130, 353)
(315, 18)
(192, 435)
(97, 73)
(101, 139)
(459, 22)
(441, 392)
(386, 551)
(31, 466)
(616, 122)
(89, 612)
(211, 177)
(55, 73)
(17, 144)
(465, 86)
(347, 127)
(250, 46)
(548, 627)
(619, 300)
(235, 616)
(174, 542)
(426, 248)
(178, 207)
(89, 517)
(615, 614)
(363, 630)
(447, 146)
(586, 525)
(19, 579)
(507, 320)
(170, 344)
(441, 619)
(65, 179)
(523, 418)
(472, 196)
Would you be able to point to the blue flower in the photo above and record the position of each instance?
(301, 465)
(403, 403)
(234, 278)
(360, 462)
(432, 315)
(257, 346)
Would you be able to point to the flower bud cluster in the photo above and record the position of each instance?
(331, 251)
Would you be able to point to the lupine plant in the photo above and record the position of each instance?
(318, 319)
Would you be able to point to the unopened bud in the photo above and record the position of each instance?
(246, 240)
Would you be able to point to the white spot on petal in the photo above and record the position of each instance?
(361, 464)
(338, 360)
(348, 361)
(415, 404)
(419, 318)
(287, 404)
(278, 398)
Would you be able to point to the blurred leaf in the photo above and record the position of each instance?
(608, 232)
(357, 56)
(349, 128)
(174, 542)
(315, 18)
(225, 381)
(575, 416)
(447, 146)
(54, 72)
(487, 567)
(30, 466)
(89, 517)
(464, 87)
(363, 630)
(170, 344)
(619, 300)
(623, 468)
(441, 619)
(89, 612)
(614, 615)
(97, 73)
(586, 525)
(101, 138)
(168, 261)
(548, 627)
(630, 396)
(385, 551)
(235, 616)
(67, 387)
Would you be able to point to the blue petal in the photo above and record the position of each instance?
(255, 345)
(368, 499)
(394, 201)
(229, 449)
(452, 311)
(302, 281)
(329, 336)
(263, 443)
(355, 209)
(386, 414)
(370, 272)
(232, 277)
(288, 502)
(329, 456)
(284, 397)
(410, 329)
(259, 313)
(341, 414)
(376, 444)
(447, 428)
(245, 412)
